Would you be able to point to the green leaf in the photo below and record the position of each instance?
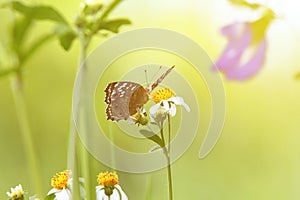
(112, 25)
(152, 136)
(66, 35)
(39, 12)
(50, 197)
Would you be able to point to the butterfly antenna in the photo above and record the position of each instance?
(161, 78)
(146, 76)
(155, 74)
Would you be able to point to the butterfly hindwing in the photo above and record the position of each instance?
(123, 99)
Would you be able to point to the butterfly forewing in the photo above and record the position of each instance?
(124, 99)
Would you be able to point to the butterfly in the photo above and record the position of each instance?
(125, 98)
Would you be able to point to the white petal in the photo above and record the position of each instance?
(19, 187)
(63, 194)
(187, 108)
(9, 194)
(180, 101)
(176, 100)
(153, 109)
(116, 196)
(100, 193)
(165, 104)
(172, 110)
(53, 190)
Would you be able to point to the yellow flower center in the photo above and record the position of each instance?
(60, 180)
(162, 94)
(108, 179)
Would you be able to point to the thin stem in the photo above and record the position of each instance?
(170, 178)
(169, 160)
(72, 159)
(109, 9)
(31, 155)
(169, 134)
(73, 140)
(84, 119)
(167, 154)
(163, 137)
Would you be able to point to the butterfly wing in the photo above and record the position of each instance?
(124, 99)
(161, 78)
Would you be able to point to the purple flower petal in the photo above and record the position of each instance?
(252, 66)
(239, 36)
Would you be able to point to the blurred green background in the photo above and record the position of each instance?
(257, 156)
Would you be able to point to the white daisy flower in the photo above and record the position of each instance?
(109, 188)
(16, 193)
(166, 102)
(62, 185)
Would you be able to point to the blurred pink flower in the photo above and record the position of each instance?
(245, 52)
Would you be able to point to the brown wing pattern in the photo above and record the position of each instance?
(161, 78)
(123, 99)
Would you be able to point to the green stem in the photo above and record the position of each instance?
(169, 160)
(170, 179)
(110, 8)
(74, 143)
(84, 119)
(31, 155)
(72, 159)
(169, 133)
(167, 154)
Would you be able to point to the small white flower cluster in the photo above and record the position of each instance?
(62, 187)
(16, 193)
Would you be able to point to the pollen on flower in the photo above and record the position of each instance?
(162, 94)
(60, 180)
(108, 179)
